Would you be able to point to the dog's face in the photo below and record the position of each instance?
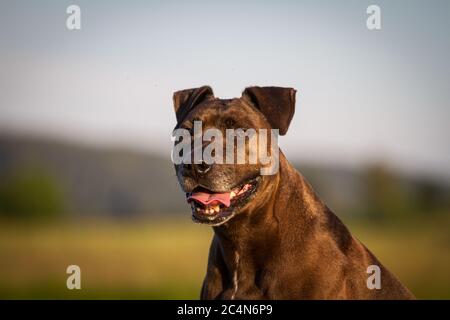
(219, 191)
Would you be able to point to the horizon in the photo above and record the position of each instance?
(298, 162)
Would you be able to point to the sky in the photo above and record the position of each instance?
(363, 95)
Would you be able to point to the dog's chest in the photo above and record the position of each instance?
(246, 283)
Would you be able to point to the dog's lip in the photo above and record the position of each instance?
(214, 219)
(203, 213)
(211, 199)
(206, 197)
(205, 188)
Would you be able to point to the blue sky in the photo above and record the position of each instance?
(362, 95)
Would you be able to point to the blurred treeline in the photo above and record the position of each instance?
(45, 178)
(379, 193)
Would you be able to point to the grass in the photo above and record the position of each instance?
(416, 251)
(166, 259)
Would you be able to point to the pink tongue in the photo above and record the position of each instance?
(209, 198)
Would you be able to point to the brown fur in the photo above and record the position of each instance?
(284, 243)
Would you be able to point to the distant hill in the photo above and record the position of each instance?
(95, 180)
(118, 182)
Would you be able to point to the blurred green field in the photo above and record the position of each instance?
(166, 259)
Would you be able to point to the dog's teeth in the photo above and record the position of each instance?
(216, 209)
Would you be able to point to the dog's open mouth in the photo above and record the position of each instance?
(216, 208)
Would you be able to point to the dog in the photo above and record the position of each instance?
(273, 237)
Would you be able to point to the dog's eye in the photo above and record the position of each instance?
(229, 123)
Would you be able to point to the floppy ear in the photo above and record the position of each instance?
(275, 103)
(185, 100)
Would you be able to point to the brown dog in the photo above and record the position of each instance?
(273, 237)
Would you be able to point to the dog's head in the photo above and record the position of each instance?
(219, 191)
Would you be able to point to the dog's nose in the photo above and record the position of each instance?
(202, 167)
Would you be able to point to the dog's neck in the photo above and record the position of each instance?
(244, 239)
(244, 248)
(247, 233)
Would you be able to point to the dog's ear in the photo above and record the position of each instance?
(185, 100)
(276, 103)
